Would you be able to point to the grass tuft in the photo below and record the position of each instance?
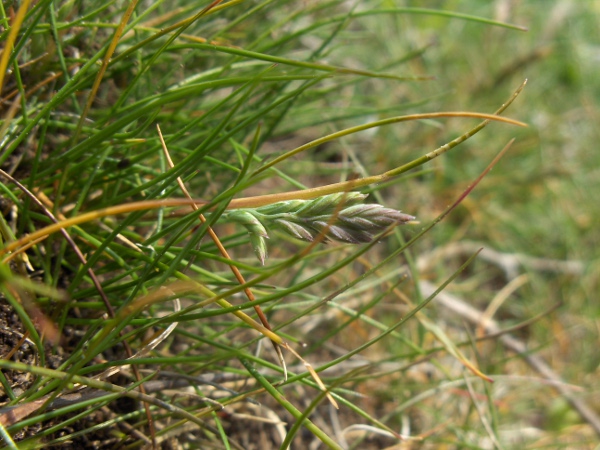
(171, 171)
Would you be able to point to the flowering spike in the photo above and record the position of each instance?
(341, 217)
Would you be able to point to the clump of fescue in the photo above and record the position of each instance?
(341, 217)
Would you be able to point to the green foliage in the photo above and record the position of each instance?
(270, 97)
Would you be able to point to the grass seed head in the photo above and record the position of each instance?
(339, 217)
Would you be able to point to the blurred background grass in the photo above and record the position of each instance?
(542, 199)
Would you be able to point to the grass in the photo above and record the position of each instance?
(132, 323)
